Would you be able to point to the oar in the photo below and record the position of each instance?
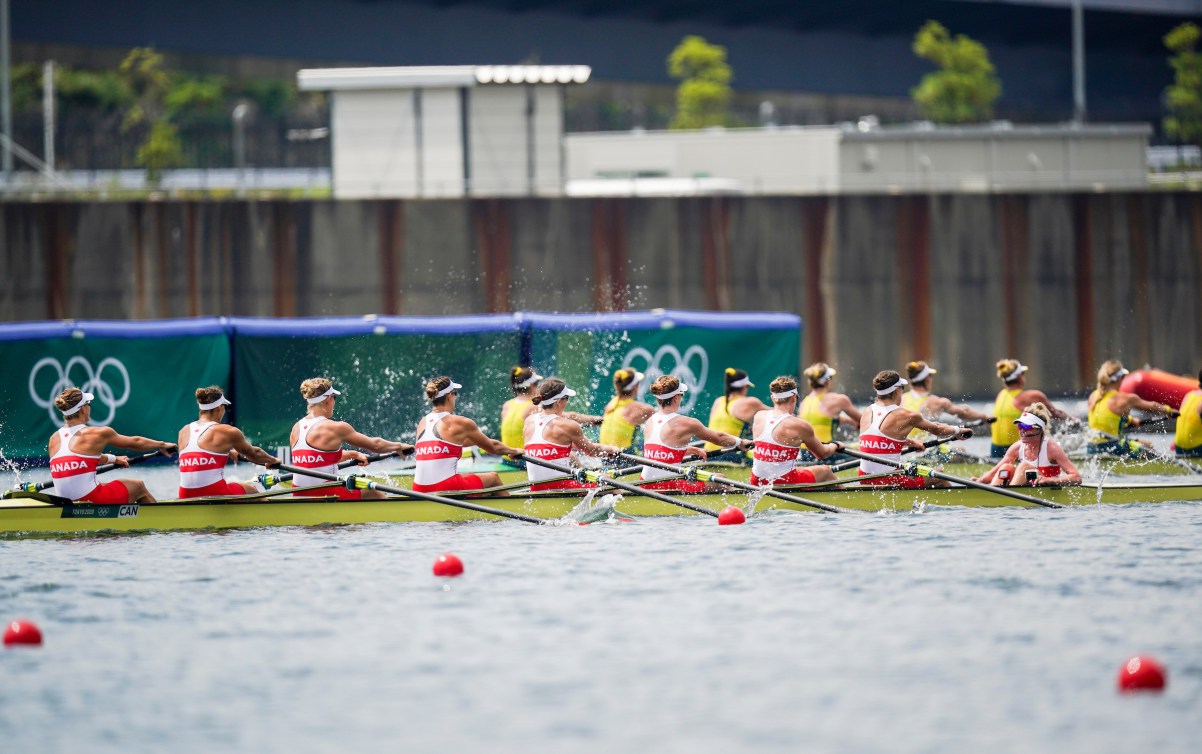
(609, 481)
(925, 471)
(932, 443)
(708, 476)
(39, 486)
(366, 484)
(270, 480)
(1155, 454)
(561, 478)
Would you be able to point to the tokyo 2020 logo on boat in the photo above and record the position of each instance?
(691, 367)
(109, 382)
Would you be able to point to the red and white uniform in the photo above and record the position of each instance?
(202, 472)
(74, 474)
(543, 449)
(875, 442)
(655, 449)
(774, 463)
(306, 456)
(1046, 468)
(437, 468)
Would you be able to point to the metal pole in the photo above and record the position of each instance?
(6, 95)
(48, 117)
(1078, 62)
(240, 146)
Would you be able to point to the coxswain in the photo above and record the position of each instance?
(920, 399)
(885, 429)
(550, 435)
(1011, 401)
(823, 408)
(668, 433)
(623, 414)
(317, 443)
(732, 413)
(1188, 440)
(779, 435)
(1109, 414)
(1036, 459)
(441, 437)
(206, 446)
(77, 449)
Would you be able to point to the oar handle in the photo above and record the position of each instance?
(270, 480)
(608, 481)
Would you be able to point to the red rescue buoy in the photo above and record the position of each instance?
(1142, 673)
(23, 632)
(448, 564)
(1158, 386)
(731, 515)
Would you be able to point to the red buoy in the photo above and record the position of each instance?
(22, 632)
(1142, 673)
(731, 515)
(448, 564)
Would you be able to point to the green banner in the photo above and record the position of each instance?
(144, 385)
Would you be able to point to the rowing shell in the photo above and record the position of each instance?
(38, 513)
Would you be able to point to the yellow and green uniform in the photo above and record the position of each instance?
(514, 422)
(1189, 426)
(913, 401)
(811, 411)
(1102, 419)
(1004, 432)
(615, 430)
(721, 420)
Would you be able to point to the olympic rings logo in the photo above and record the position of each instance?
(78, 372)
(691, 368)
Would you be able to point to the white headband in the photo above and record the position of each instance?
(221, 401)
(826, 376)
(926, 372)
(323, 396)
(567, 392)
(447, 390)
(901, 382)
(87, 398)
(1027, 418)
(530, 381)
(782, 396)
(1120, 373)
(1014, 374)
(740, 383)
(680, 390)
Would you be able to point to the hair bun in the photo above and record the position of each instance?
(730, 371)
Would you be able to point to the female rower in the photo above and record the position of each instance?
(441, 436)
(668, 434)
(206, 445)
(778, 437)
(920, 399)
(823, 409)
(1011, 401)
(733, 412)
(77, 449)
(623, 414)
(1036, 458)
(317, 444)
(523, 381)
(549, 435)
(1109, 412)
(1188, 441)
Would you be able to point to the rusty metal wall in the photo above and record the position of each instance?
(1059, 281)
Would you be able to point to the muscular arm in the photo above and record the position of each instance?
(940, 404)
(109, 436)
(1127, 401)
(1010, 457)
(472, 435)
(1027, 397)
(583, 418)
(846, 408)
(252, 453)
(1068, 471)
(636, 413)
(575, 435)
(802, 433)
(344, 432)
(702, 432)
(747, 407)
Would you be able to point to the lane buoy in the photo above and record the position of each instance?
(23, 632)
(731, 515)
(1142, 673)
(448, 564)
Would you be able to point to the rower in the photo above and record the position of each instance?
(1035, 459)
(732, 413)
(779, 436)
(441, 435)
(206, 445)
(77, 449)
(1011, 401)
(1109, 411)
(317, 443)
(623, 414)
(668, 434)
(931, 406)
(822, 408)
(1188, 440)
(550, 435)
(523, 381)
(885, 429)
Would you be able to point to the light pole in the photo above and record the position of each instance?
(1078, 62)
(6, 95)
(239, 116)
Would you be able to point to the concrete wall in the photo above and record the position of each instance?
(1060, 281)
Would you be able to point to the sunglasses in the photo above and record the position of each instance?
(1022, 426)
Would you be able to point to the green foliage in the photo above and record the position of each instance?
(703, 97)
(161, 150)
(100, 90)
(194, 94)
(1183, 98)
(965, 87)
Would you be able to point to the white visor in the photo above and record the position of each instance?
(222, 401)
(567, 392)
(533, 380)
(1027, 418)
(782, 396)
(681, 390)
(323, 396)
(901, 382)
(1012, 376)
(926, 372)
(447, 390)
(740, 383)
(826, 376)
(87, 398)
(1120, 374)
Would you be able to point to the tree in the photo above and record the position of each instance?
(965, 87)
(149, 84)
(1183, 98)
(703, 97)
